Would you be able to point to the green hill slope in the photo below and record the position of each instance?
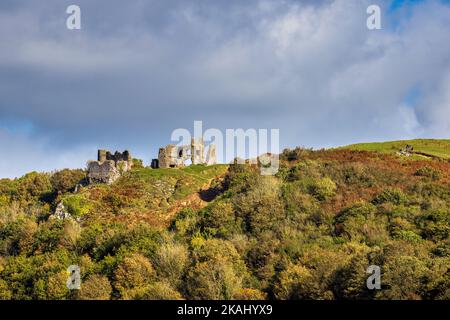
(227, 232)
(434, 147)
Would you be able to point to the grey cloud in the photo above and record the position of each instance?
(137, 71)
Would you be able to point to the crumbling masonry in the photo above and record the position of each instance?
(109, 167)
(173, 156)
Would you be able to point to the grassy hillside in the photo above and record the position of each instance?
(435, 147)
(226, 232)
(143, 194)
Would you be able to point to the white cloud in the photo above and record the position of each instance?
(22, 152)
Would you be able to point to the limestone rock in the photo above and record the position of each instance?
(61, 212)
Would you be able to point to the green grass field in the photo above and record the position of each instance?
(436, 147)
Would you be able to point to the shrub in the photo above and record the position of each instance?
(170, 261)
(250, 294)
(297, 283)
(33, 186)
(57, 286)
(350, 280)
(77, 205)
(137, 163)
(161, 290)
(133, 277)
(322, 189)
(66, 180)
(5, 293)
(261, 208)
(435, 225)
(219, 220)
(361, 209)
(394, 196)
(214, 279)
(361, 223)
(434, 174)
(403, 278)
(407, 235)
(95, 287)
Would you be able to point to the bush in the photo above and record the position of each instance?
(322, 189)
(214, 279)
(95, 287)
(5, 293)
(297, 283)
(161, 290)
(66, 180)
(133, 277)
(137, 164)
(77, 205)
(361, 223)
(219, 220)
(33, 186)
(57, 286)
(170, 261)
(435, 225)
(434, 174)
(250, 294)
(261, 208)
(394, 196)
(403, 278)
(407, 235)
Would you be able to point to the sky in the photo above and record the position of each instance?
(137, 70)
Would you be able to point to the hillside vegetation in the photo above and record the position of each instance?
(434, 147)
(226, 232)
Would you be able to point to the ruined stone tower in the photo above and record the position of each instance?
(173, 156)
(109, 167)
(211, 157)
(197, 151)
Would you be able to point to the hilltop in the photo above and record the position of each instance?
(226, 232)
(425, 147)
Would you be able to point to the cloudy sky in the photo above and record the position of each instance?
(139, 69)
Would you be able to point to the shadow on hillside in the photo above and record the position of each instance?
(211, 193)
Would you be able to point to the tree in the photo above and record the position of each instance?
(350, 281)
(297, 283)
(213, 279)
(66, 180)
(95, 287)
(57, 286)
(5, 293)
(170, 261)
(261, 207)
(133, 277)
(219, 219)
(161, 290)
(250, 294)
(403, 278)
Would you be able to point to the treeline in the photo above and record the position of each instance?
(310, 232)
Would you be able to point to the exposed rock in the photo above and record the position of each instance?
(61, 212)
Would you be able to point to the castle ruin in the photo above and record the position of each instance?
(173, 156)
(109, 167)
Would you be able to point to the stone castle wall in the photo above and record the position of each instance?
(109, 167)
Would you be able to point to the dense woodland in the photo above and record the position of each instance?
(226, 232)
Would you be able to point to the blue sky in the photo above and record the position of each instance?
(137, 70)
(400, 3)
(395, 4)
